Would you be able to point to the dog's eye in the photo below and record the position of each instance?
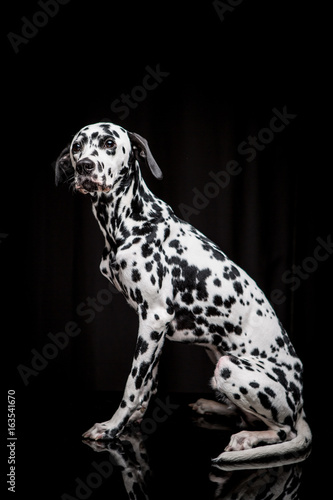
(109, 143)
(76, 147)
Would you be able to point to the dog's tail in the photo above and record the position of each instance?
(274, 455)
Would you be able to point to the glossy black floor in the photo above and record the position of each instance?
(168, 456)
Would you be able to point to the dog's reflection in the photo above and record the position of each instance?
(129, 454)
(265, 484)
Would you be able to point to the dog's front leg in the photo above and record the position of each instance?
(140, 383)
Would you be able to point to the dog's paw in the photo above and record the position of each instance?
(243, 440)
(205, 406)
(99, 432)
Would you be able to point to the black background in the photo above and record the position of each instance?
(223, 79)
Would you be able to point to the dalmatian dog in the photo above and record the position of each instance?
(185, 289)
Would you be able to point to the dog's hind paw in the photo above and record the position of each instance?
(203, 406)
(208, 407)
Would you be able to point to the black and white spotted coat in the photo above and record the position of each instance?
(184, 288)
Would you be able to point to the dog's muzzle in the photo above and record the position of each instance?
(85, 183)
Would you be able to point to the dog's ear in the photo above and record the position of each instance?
(142, 152)
(63, 166)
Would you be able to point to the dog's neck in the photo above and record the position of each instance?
(130, 198)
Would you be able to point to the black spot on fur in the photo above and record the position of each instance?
(136, 276)
(156, 336)
(217, 300)
(264, 400)
(225, 373)
(212, 311)
(187, 298)
(255, 385)
(148, 266)
(270, 392)
(238, 287)
(146, 250)
(281, 377)
(229, 327)
(185, 319)
(141, 347)
(229, 302)
(282, 435)
(279, 341)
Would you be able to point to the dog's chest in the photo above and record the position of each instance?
(126, 271)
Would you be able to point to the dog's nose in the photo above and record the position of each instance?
(85, 166)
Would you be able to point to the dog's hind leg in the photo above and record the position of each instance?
(223, 407)
(259, 390)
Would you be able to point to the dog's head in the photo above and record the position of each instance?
(99, 154)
